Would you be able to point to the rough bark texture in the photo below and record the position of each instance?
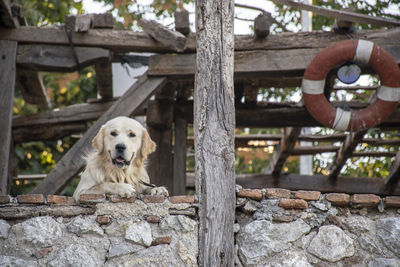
(8, 52)
(214, 131)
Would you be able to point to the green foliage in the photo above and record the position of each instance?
(131, 11)
(43, 12)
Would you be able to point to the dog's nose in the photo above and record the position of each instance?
(120, 147)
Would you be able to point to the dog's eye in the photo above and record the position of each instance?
(132, 135)
(113, 133)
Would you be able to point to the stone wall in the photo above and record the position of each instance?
(274, 227)
(115, 232)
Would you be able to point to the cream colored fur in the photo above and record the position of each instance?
(102, 176)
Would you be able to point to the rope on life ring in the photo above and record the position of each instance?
(362, 52)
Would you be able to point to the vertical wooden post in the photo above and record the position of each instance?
(180, 150)
(8, 54)
(214, 125)
(159, 120)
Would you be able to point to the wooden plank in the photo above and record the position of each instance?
(288, 63)
(59, 58)
(286, 146)
(263, 117)
(6, 16)
(182, 21)
(159, 121)
(104, 80)
(50, 132)
(30, 83)
(262, 23)
(8, 53)
(83, 22)
(171, 39)
(394, 173)
(214, 136)
(180, 151)
(259, 117)
(73, 113)
(255, 63)
(340, 14)
(349, 185)
(125, 40)
(72, 162)
(345, 152)
(12, 167)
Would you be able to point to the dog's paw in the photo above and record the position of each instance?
(125, 190)
(161, 191)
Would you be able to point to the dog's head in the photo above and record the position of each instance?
(124, 141)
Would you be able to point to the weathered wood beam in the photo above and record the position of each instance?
(12, 167)
(129, 41)
(104, 80)
(47, 132)
(171, 39)
(312, 150)
(286, 146)
(345, 152)
(394, 173)
(260, 117)
(340, 14)
(182, 21)
(214, 113)
(180, 152)
(59, 58)
(83, 22)
(73, 113)
(290, 63)
(73, 162)
(30, 83)
(349, 185)
(7, 17)
(255, 64)
(159, 119)
(8, 53)
(262, 23)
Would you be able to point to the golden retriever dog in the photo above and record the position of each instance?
(117, 166)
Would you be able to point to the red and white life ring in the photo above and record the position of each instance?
(361, 52)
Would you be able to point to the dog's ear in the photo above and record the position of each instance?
(148, 146)
(97, 141)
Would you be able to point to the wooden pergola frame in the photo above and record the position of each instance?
(274, 61)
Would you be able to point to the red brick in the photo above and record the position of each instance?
(366, 200)
(255, 194)
(103, 219)
(92, 198)
(307, 195)
(161, 240)
(392, 202)
(338, 199)
(181, 199)
(277, 193)
(63, 200)
(293, 203)
(153, 199)
(283, 218)
(43, 252)
(31, 199)
(116, 199)
(5, 199)
(153, 219)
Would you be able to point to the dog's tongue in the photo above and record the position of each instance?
(120, 160)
